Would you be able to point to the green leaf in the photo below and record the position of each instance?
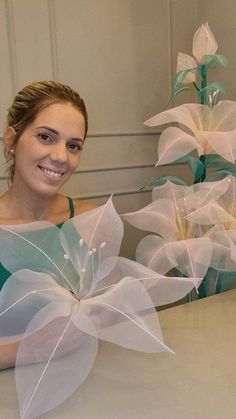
(221, 174)
(194, 163)
(214, 160)
(213, 61)
(180, 89)
(211, 91)
(163, 179)
(180, 76)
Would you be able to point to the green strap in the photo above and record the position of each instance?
(71, 205)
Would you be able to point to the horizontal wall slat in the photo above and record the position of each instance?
(118, 182)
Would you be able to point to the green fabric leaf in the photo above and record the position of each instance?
(221, 173)
(180, 76)
(163, 179)
(213, 61)
(211, 89)
(194, 163)
(214, 160)
(180, 89)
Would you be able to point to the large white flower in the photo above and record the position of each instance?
(204, 129)
(204, 43)
(220, 212)
(103, 297)
(179, 243)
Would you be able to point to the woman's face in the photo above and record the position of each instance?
(48, 151)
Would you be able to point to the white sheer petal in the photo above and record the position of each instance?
(190, 115)
(223, 242)
(57, 353)
(23, 295)
(175, 143)
(162, 289)
(203, 193)
(185, 62)
(223, 143)
(170, 191)
(191, 257)
(152, 253)
(159, 217)
(211, 213)
(125, 315)
(223, 116)
(35, 246)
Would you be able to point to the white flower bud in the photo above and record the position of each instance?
(204, 42)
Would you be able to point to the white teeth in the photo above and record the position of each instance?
(50, 172)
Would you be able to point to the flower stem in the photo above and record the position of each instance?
(203, 84)
(196, 86)
(202, 177)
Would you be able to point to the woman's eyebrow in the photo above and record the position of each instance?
(57, 133)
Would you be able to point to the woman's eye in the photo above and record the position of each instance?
(45, 137)
(74, 147)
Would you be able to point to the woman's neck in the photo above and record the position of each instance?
(27, 208)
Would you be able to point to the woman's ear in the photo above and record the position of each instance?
(9, 136)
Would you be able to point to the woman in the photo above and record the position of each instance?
(46, 129)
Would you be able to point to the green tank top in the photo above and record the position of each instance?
(5, 274)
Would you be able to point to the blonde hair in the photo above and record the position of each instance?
(31, 100)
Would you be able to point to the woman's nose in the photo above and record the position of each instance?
(59, 153)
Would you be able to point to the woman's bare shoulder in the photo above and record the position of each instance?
(83, 206)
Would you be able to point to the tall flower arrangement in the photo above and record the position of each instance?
(194, 225)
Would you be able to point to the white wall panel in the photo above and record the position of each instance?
(32, 40)
(6, 81)
(183, 26)
(119, 151)
(116, 53)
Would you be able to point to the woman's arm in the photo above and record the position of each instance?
(8, 355)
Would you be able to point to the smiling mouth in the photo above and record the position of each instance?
(51, 173)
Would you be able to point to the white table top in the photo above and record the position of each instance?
(199, 382)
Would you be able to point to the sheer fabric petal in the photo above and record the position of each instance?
(185, 62)
(59, 353)
(162, 289)
(223, 243)
(34, 246)
(175, 143)
(23, 295)
(191, 257)
(211, 213)
(159, 217)
(170, 191)
(125, 315)
(190, 115)
(223, 143)
(223, 116)
(152, 253)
